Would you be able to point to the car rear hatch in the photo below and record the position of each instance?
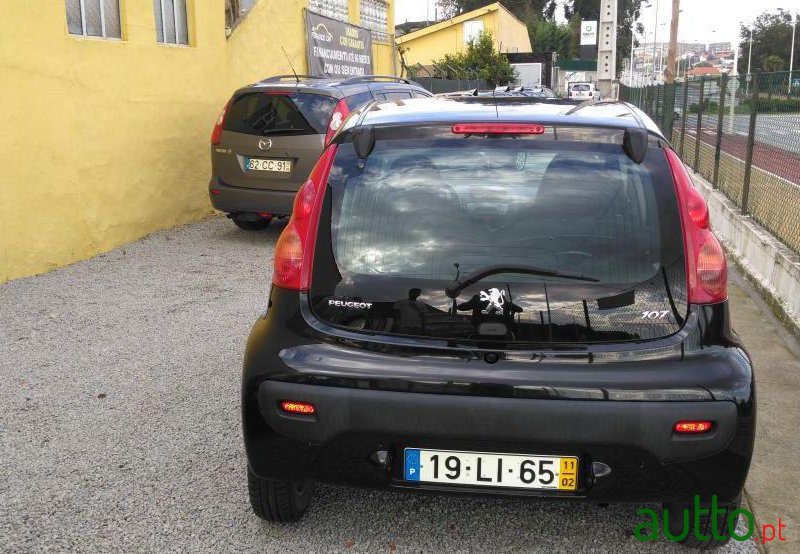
(582, 90)
(271, 137)
(551, 236)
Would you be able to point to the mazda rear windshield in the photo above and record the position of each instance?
(269, 113)
(517, 239)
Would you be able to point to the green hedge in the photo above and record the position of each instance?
(774, 105)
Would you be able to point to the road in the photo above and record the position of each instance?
(119, 426)
(780, 131)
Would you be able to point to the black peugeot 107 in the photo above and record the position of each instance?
(488, 296)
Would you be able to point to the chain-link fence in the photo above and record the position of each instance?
(445, 79)
(741, 133)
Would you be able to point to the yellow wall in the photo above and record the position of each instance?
(447, 37)
(512, 34)
(106, 141)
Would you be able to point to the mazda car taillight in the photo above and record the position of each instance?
(216, 133)
(294, 250)
(706, 267)
(340, 113)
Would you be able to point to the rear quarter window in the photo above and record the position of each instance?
(356, 100)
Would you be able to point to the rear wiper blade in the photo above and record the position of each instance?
(279, 131)
(473, 277)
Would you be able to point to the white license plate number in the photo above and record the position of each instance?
(557, 473)
(262, 164)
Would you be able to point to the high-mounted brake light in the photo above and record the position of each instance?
(693, 427)
(497, 129)
(297, 407)
(294, 250)
(340, 113)
(216, 133)
(706, 268)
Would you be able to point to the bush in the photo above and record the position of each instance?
(774, 105)
(480, 60)
(710, 106)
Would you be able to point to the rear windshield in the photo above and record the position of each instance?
(581, 88)
(424, 215)
(264, 113)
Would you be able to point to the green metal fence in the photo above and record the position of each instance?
(741, 133)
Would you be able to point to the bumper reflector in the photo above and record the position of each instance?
(693, 427)
(295, 407)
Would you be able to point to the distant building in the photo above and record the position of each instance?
(682, 47)
(718, 48)
(703, 71)
(450, 36)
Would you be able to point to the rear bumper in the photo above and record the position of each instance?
(357, 438)
(230, 199)
(645, 426)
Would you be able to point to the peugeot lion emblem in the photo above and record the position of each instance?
(265, 144)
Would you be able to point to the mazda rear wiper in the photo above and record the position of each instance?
(268, 132)
(473, 277)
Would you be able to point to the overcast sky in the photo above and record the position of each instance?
(698, 20)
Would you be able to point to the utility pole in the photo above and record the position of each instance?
(673, 42)
(607, 48)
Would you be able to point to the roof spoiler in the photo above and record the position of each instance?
(635, 143)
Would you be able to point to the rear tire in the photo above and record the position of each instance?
(279, 501)
(252, 225)
(692, 541)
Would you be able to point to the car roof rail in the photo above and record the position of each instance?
(374, 78)
(278, 78)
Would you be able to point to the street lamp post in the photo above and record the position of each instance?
(655, 39)
(791, 55)
(750, 55)
(633, 34)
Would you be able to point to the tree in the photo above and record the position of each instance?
(525, 10)
(548, 36)
(480, 59)
(772, 36)
(628, 14)
(772, 62)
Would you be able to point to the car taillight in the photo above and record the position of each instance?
(340, 113)
(706, 268)
(497, 129)
(297, 407)
(294, 250)
(693, 427)
(216, 133)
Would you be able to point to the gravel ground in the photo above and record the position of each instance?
(119, 422)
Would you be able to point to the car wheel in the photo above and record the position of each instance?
(252, 225)
(279, 501)
(704, 526)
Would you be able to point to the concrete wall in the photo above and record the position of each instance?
(105, 141)
(770, 265)
(447, 37)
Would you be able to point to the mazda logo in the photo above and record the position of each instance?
(265, 144)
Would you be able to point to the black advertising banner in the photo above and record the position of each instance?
(336, 48)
